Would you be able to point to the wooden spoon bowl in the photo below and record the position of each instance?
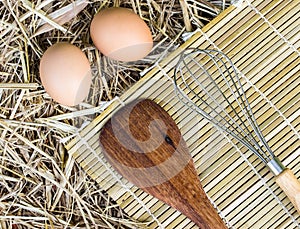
(143, 143)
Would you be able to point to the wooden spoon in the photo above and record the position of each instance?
(143, 143)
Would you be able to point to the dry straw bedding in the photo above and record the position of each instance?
(40, 185)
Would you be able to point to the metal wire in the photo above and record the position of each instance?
(207, 82)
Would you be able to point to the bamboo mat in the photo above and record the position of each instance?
(262, 38)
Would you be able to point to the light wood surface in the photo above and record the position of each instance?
(291, 186)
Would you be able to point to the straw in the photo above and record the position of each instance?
(41, 185)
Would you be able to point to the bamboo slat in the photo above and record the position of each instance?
(262, 37)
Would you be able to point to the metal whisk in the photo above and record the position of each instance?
(207, 82)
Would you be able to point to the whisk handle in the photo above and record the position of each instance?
(291, 186)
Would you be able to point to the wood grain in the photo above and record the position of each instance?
(291, 187)
(143, 143)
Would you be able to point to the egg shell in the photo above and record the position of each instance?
(121, 34)
(65, 73)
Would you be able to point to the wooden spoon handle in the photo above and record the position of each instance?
(291, 186)
(185, 193)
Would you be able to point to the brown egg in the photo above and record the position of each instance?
(65, 73)
(121, 34)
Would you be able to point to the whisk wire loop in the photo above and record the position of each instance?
(243, 103)
(249, 136)
(207, 81)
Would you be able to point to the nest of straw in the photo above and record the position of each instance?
(41, 186)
